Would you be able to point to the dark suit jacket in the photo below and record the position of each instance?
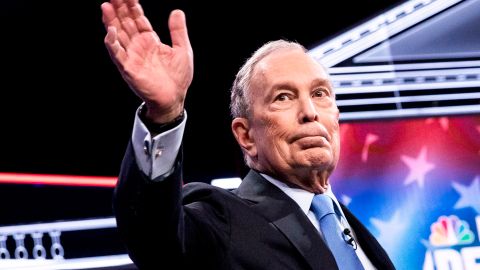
(201, 226)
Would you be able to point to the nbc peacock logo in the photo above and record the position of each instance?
(450, 231)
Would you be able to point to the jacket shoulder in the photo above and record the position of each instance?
(198, 191)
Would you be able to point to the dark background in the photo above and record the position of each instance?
(66, 110)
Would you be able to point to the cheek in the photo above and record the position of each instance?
(335, 131)
(336, 141)
(275, 129)
(330, 120)
(333, 128)
(265, 133)
(335, 116)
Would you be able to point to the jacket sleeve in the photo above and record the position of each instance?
(148, 213)
(159, 227)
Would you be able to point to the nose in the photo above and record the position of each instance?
(308, 111)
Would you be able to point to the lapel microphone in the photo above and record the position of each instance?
(349, 238)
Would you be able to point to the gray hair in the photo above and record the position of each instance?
(240, 97)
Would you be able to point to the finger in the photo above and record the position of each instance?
(117, 54)
(110, 19)
(118, 31)
(120, 34)
(130, 27)
(178, 29)
(131, 3)
(143, 24)
(128, 9)
(136, 11)
(122, 16)
(125, 27)
(131, 18)
(123, 38)
(117, 3)
(122, 12)
(108, 13)
(116, 51)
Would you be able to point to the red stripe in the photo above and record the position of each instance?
(58, 180)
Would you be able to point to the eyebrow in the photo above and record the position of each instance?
(283, 85)
(315, 83)
(322, 82)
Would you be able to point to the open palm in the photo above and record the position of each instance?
(158, 73)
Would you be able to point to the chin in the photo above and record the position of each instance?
(318, 157)
(317, 164)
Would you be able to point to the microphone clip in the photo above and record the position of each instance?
(347, 236)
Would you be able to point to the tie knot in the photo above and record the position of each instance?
(322, 205)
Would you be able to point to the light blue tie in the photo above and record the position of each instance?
(322, 207)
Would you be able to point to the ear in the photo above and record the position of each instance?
(241, 131)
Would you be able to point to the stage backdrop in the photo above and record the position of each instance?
(416, 184)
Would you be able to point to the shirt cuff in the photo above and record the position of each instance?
(156, 156)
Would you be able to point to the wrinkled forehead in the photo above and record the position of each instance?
(292, 66)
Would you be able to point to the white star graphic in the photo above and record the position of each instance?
(419, 167)
(443, 121)
(369, 139)
(469, 196)
(390, 232)
(346, 199)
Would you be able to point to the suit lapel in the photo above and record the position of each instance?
(369, 244)
(286, 215)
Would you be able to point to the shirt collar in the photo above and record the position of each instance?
(302, 197)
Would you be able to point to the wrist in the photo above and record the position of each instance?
(155, 127)
(156, 116)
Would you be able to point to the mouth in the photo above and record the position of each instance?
(310, 141)
(311, 136)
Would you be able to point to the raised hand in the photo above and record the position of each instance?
(158, 73)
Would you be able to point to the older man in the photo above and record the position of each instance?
(284, 214)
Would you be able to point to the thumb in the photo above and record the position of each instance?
(178, 29)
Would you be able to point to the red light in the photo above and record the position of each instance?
(57, 180)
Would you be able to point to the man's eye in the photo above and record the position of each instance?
(320, 93)
(282, 97)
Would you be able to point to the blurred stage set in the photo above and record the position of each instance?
(408, 87)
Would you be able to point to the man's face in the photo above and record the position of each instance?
(294, 120)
